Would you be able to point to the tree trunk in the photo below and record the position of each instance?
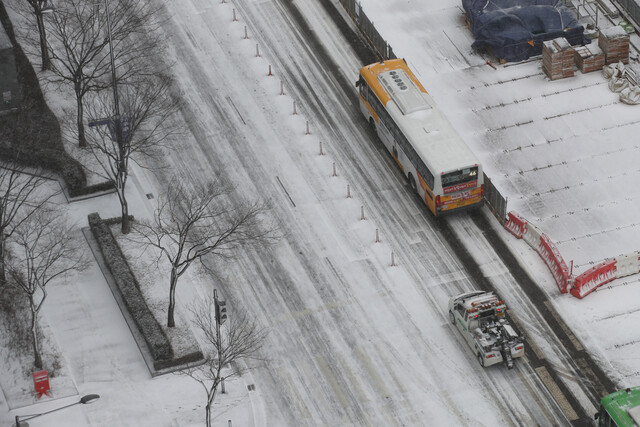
(82, 138)
(172, 296)
(44, 51)
(126, 225)
(34, 339)
(208, 416)
(3, 274)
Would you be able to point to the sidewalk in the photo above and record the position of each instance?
(103, 357)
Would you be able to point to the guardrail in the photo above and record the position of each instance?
(354, 9)
(496, 201)
(632, 8)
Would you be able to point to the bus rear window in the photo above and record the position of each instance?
(459, 177)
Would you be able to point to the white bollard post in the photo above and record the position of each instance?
(281, 87)
(362, 218)
(234, 16)
(321, 153)
(246, 36)
(307, 132)
(377, 236)
(334, 169)
(348, 191)
(270, 73)
(393, 262)
(294, 107)
(257, 51)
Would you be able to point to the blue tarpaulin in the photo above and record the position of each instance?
(515, 29)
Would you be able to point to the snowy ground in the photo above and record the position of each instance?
(563, 152)
(353, 340)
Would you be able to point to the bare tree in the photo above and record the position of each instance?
(39, 7)
(19, 200)
(81, 45)
(44, 248)
(140, 132)
(190, 223)
(242, 339)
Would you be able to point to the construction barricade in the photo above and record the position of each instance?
(605, 272)
(520, 228)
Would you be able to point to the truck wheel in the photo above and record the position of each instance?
(372, 123)
(452, 318)
(481, 360)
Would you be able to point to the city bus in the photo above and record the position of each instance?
(437, 163)
(620, 409)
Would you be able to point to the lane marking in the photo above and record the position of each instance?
(558, 396)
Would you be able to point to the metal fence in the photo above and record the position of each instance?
(632, 7)
(496, 202)
(354, 9)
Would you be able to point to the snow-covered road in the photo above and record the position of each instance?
(353, 340)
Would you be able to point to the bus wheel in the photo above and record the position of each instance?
(372, 123)
(481, 360)
(452, 318)
(412, 183)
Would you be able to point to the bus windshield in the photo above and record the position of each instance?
(460, 176)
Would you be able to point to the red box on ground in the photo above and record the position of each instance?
(41, 383)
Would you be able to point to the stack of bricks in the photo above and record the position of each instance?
(614, 42)
(557, 58)
(589, 58)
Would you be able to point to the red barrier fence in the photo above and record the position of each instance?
(551, 256)
(606, 271)
(519, 227)
(588, 281)
(585, 283)
(516, 224)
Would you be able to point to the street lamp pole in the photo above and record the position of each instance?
(89, 398)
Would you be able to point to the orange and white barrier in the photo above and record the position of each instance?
(583, 284)
(606, 271)
(520, 228)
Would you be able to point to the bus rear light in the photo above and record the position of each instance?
(438, 203)
(519, 347)
(482, 190)
(489, 356)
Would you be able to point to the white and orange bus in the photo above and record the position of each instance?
(420, 138)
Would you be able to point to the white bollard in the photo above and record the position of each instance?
(294, 108)
(321, 153)
(281, 87)
(377, 236)
(246, 35)
(348, 191)
(234, 16)
(393, 262)
(362, 218)
(334, 169)
(307, 132)
(257, 51)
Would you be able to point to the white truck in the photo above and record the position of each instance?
(480, 317)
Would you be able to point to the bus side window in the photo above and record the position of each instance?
(363, 88)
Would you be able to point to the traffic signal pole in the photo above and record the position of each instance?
(221, 316)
